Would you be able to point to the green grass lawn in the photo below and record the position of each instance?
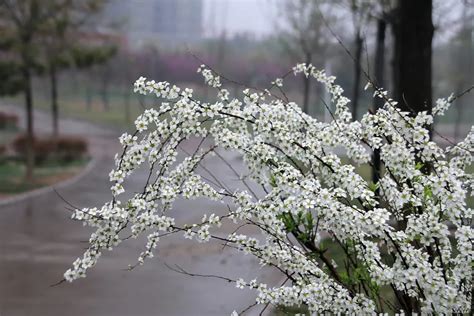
(75, 107)
(7, 135)
(290, 311)
(12, 175)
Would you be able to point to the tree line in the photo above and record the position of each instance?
(44, 38)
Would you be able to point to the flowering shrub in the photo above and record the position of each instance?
(406, 240)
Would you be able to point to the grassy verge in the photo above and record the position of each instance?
(12, 175)
(290, 311)
(74, 107)
(7, 135)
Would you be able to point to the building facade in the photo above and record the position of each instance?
(169, 22)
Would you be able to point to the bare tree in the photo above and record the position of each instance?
(303, 38)
(360, 12)
(60, 37)
(90, 57)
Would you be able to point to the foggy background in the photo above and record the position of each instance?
(81, 70)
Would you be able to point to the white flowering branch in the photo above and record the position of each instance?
(406, 249)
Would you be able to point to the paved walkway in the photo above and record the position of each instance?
(39, 241)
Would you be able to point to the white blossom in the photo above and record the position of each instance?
(410, 233)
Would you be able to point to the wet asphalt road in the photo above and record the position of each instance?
(39, 241)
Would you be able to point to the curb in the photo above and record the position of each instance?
(37, 192)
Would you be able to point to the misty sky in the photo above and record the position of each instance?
(236, 16)
(259, 17)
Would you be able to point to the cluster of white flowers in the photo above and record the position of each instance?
(209, 77)
(442, 105)
(409, 235)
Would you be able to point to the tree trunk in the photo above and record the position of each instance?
(105, 95)
(88, 95)
(413, 33)
(26, 59)
(379, 81)
(221, 50)
(357, 73)
(306, 86)
(30, 151)
(54, 101)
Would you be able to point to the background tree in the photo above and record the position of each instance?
(89, 57)
(10, 73)
(412, 73)
(304, 38)
(105, 75)
(60, 36)
(22, 22)
(379, 77)
(381, 13)
(360, 12)
(413, 34)
(127, 61)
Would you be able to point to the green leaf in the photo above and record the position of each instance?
(374, 186)
(309, 221)
(304, 237)
(288, 221)
(273, 181)
(427, 192)
(345, 277)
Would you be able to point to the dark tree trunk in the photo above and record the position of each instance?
(30, 151)
(105, 94)
(359, 41)
(88, 99)
(379, 81)
(306, 86)
(88, 93)
(413, 33)
(54, 100)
